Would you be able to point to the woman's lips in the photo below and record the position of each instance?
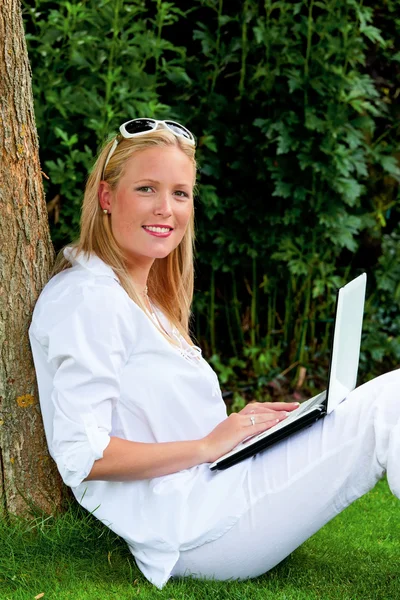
(158, 234)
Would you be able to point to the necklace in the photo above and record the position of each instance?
(191, 353)
(153, 312)
(147, 299)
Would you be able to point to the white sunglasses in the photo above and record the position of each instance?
(137, 127)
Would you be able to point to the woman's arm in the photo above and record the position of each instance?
(124, 460)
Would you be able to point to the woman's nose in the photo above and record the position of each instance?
(163, 204)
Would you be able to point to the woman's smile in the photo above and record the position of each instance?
(158, 230)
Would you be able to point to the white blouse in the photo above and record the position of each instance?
(104, 369)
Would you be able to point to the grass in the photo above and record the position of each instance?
(354, 557)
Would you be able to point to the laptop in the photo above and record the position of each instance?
(342, 377)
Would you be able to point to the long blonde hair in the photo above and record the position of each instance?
(170, 281)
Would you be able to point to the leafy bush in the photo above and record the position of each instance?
(294, 106)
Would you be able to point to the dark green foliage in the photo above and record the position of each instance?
(295, 106)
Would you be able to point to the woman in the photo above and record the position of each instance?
(134, 415)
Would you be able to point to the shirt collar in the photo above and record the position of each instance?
(91, 262)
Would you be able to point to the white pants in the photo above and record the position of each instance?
(301, 483)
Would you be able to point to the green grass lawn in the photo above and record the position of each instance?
(356, 556)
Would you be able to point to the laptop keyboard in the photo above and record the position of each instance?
(308, 403)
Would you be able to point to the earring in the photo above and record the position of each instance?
(105, 211)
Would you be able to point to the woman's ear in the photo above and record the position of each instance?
(105, 196)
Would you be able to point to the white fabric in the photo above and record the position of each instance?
(304, 481)
(103, 369)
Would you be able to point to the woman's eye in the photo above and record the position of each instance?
(182, 194)
(147, 189)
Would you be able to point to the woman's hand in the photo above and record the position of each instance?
(238, 426)
(262, 407)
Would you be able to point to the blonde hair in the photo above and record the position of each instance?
(170, 280)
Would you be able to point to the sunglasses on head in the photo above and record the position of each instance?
(137, 127)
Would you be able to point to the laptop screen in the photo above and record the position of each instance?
(346, 341)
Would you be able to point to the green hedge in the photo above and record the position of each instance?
(294, 105)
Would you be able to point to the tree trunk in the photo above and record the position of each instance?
(29, 478)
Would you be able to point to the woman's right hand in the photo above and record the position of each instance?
(236, 428)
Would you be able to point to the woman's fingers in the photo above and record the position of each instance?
(261, 407)
(263, 418)
(284, 405)
(279, 405)
(257, 423)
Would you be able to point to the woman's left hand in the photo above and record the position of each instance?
(268, 407)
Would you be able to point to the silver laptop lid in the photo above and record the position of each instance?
(346, 341)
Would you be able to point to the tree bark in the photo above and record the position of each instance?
(28, 477)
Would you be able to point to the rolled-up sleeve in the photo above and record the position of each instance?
(88, 347)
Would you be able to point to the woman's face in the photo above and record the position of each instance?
(152, 204)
